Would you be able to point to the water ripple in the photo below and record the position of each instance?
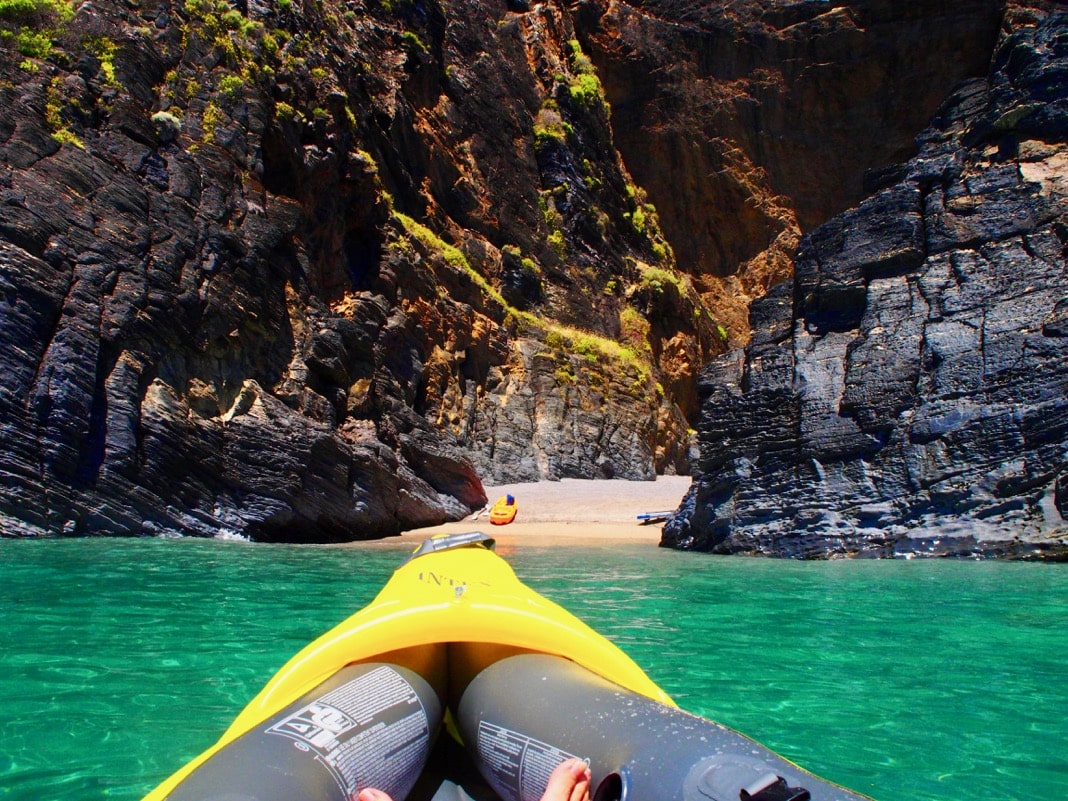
(119, 660)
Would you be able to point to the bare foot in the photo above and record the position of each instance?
(569, 781)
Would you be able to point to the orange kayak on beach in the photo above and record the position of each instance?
(503, 511)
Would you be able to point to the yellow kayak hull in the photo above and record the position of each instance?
(503, 512)
(448, 612)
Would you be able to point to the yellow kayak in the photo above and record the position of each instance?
(455, 642)
(456, 591)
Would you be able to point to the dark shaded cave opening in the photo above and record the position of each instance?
(362, 251)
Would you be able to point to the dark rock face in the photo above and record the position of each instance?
(907, 391)
(135, 400)
(187, 351)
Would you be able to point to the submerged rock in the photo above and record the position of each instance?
(906, 393)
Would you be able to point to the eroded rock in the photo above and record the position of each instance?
(907, 392)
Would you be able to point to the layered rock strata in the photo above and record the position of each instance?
(314, 271)
(907, 391)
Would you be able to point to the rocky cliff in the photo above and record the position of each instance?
(314, 270)
(311, 272)
(906, 392)
(748, 123)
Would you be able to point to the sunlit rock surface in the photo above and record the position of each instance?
(907, 391)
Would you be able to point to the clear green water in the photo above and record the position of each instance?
(119, 660)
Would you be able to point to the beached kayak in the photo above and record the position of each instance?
(503, 511)
(458, 681)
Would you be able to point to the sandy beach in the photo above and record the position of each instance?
(557, 512)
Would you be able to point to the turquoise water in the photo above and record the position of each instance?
(906, 680)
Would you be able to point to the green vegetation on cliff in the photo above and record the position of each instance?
(584, 344)
(32, 25)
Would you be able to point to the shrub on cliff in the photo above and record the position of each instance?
(584, 87)
(30, 25)
(35, 13)
(167, 125)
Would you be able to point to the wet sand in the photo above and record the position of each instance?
(558, 512)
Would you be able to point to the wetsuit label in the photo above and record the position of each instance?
(519, 766)
(370, 732)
